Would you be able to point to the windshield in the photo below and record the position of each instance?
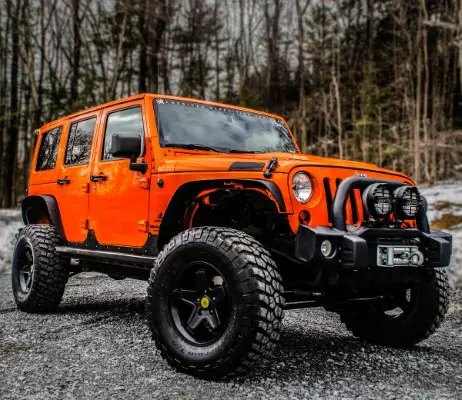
(201, 126)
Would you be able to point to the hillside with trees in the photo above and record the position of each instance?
(377, 81)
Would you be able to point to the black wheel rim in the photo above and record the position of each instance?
(25, 266)
(400, 305)
(200, 303)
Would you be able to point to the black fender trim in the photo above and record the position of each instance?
(50, 203)
(200, 185)
(190, 190)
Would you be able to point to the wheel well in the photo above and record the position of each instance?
(251, 209)
(41, 210)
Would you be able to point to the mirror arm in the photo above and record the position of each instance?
(138, 167)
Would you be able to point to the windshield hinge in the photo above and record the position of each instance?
(270, 167)
(144, 183)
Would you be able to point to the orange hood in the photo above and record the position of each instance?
(189, 161)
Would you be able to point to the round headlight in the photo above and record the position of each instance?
(378, 200)
(302, 187)
(408, 202)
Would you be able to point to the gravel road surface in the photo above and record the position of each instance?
(98, 346)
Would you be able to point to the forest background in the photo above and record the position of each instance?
(377, 81)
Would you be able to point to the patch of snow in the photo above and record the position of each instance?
(10, 222)
(447, 197)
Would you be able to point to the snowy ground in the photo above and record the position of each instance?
(10, 222)
(446, 200)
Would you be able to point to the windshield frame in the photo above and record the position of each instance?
(163, 145)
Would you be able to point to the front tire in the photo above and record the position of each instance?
(215, 302)
(38, 274)
(405, 319)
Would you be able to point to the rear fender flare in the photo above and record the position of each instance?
(34, 206)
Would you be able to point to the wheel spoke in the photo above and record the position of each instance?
(213, 319)
(28, 280)
(201, 281)
(194, 319)
(186, 296)
(403, 303)
(217, 294)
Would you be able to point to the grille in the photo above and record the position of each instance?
(353, 207)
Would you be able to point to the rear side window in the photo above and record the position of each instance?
(128, 121)
(48, 150)
(79, 142)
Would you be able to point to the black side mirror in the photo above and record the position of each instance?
(128, 146)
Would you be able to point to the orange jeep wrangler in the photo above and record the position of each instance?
(231, 224)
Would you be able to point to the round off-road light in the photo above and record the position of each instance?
(407, 202)
(302, 187)
(327, 249)
(378, 200)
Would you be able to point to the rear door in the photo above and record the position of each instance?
(73, 176)
(119, 197)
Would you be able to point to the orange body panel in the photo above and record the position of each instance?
(119, 205)
(128, 205)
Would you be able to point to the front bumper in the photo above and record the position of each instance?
(356, 247)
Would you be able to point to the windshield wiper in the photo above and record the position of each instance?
(244, 151)
(192, 146)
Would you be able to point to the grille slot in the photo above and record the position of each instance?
(356, 207)
(329, 198)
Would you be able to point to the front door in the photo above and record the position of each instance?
(72, 184)
(119, 197)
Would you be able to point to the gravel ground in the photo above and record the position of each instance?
(97, 345)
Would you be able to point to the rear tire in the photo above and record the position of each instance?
(38, 274)
(423, 309)
(214, 261)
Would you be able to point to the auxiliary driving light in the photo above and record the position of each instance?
(378, 200)
(327, 249)
(407, 202)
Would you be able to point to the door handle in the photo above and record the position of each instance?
(63, 181)
(97, 178)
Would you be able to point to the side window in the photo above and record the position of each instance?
(79, 142)
(128, 121)
(48, 150)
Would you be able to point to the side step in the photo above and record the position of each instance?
(107, 257)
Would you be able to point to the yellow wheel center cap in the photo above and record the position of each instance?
(205, 302)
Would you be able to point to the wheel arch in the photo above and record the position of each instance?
(190, 190)
(40, 208)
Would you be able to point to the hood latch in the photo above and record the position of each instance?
(270, 167)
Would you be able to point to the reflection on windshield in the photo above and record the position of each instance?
(188, 123)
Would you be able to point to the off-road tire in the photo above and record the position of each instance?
(426, 316)
(50, 272)
(255, 325)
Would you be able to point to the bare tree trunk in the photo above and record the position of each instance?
(144, 38)
(4, 45)
(75, 75)
(13, 129)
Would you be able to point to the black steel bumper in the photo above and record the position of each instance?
(356, 247)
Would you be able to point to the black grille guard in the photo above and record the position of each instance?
(344, 189)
